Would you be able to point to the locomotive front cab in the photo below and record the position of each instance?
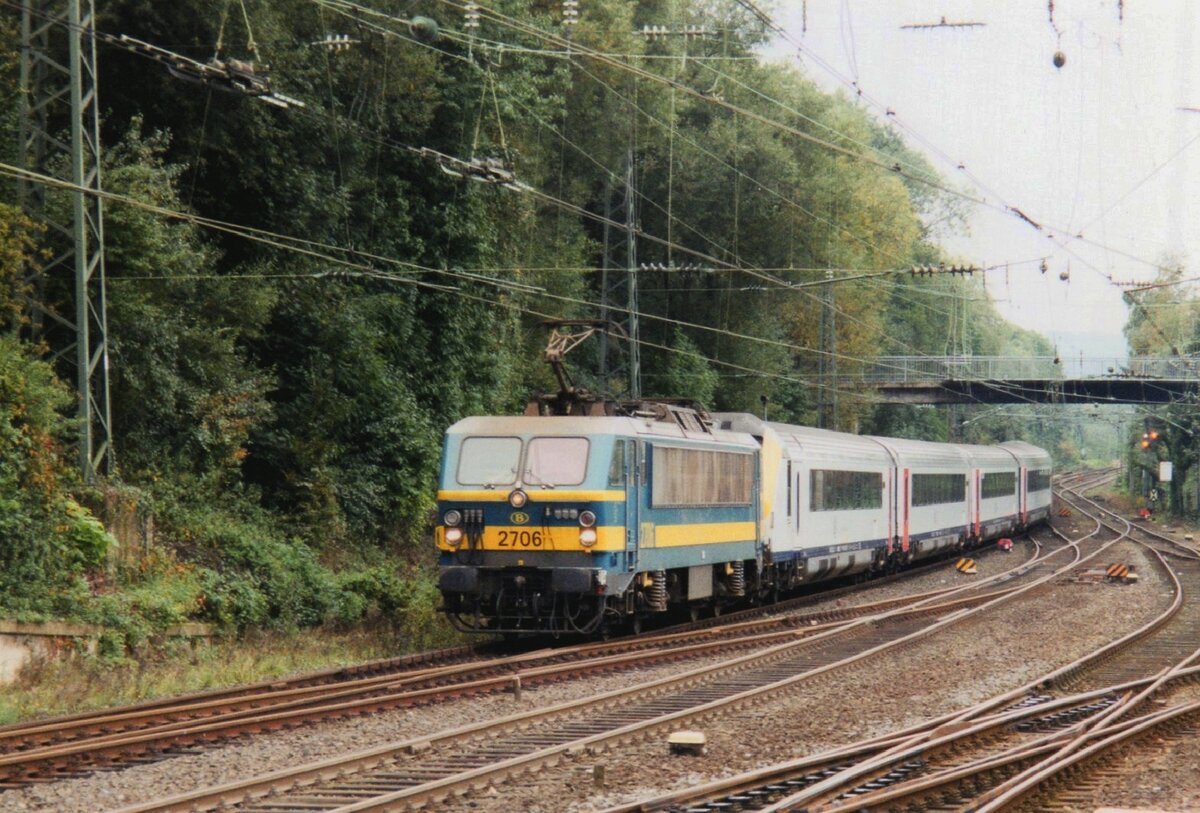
(531, 532)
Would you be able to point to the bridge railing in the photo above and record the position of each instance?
(916, 369)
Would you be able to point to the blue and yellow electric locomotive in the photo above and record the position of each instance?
(588, 510)
(564, 523)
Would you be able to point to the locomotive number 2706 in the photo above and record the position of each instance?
(520, 539)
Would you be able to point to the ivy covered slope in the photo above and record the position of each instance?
(279, 411)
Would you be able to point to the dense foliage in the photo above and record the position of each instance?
(1165, 321)
(280, 408)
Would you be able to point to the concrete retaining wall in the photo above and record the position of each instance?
(22, 643)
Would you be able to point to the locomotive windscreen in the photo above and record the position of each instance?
(556, 461)
(484, 461)
(548, 461)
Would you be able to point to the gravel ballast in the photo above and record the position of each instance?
(971, 662)
(1013, 645)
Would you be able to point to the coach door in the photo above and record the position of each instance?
(632, 502)
(1023, 491)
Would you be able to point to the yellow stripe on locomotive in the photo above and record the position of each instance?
(537, 539)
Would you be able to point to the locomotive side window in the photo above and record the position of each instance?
(685, 477)
(556, 461)
(937, 489)
(1039, 480)
(616, 466)
(486, 461)
(831, 490)
(999, 484)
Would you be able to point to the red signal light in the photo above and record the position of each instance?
(1153, 435)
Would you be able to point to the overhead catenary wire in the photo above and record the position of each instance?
(702, 327)
(348, 9)
(666, 80)
(230, 228)
(878, 330)
(891, 115)
(316, 249)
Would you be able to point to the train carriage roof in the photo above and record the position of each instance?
(844, 449)
(988, 457)
(1030, 456)
(913, 454)
(820, 446)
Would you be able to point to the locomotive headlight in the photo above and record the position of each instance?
(587, 519)
(454, 537)
(587, 537)
(453, 517)
(518, 498)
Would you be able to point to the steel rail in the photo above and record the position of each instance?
(334, 704)
(1106, 739)
(462, 780)
(1073, 752)
(751, 788)
(407, 664)
(1056, 756)
(387, 672)
(832, 786)
(61, 747)
(214, 720)
(911, 738)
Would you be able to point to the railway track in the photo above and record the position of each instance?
(1024, 749)
(426, 770)
(68, 746)
(48, 751)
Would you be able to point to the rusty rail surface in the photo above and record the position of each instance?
(427, 769)
(1017, 752)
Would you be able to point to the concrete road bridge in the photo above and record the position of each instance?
(1037, 379)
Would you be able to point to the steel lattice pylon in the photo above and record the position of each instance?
(618, 284)
(58, 83)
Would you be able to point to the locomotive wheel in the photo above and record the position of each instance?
(694, 612)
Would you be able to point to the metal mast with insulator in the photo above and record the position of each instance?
(615, 285)
(58, 96)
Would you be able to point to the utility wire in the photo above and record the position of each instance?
(339, 256)
(579, 210)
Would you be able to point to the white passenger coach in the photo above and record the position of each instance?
(845, 504)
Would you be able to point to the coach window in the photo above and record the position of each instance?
(831, 490)
(999, 484)
(489, 461)
(1038, 480)
(937, 489)
(616, 466)
(556, 462)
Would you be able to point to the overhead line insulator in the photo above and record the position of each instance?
(942, 268)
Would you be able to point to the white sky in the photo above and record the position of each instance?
(1065, 146)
